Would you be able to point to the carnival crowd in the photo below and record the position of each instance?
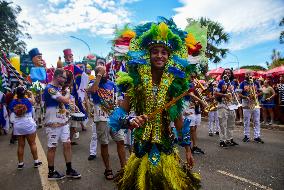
(132, 112)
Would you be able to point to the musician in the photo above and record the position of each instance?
(102, 92)
(226, 113)
(56, 123)
(249, 93)
(193, 113)
(213, 114)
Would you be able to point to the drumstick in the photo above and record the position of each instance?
(167, 105)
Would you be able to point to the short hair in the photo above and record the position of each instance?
(58, 72)
(20, 92)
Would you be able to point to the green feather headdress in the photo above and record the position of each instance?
(160, 34)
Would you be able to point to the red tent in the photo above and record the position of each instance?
(242, 71)
(217, 71)
(277, 71)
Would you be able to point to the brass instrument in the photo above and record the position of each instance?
(208, 107)
(255, 103)
(233, 100)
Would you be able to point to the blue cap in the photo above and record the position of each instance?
(34, 52)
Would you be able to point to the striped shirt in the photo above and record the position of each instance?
(281, 92)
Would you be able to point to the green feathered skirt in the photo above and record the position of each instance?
(168, 174)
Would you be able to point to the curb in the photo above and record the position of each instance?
(270, 127)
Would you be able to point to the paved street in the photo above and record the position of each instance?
(248, 166)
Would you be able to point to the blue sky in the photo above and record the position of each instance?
(252, 25)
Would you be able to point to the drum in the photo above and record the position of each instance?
(78, 116)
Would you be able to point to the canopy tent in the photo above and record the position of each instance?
(276, 71)
(242, 72)
(217, 71)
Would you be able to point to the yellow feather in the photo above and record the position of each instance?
(190, 40)
(164, 29)
(129, 34)
(129, 171)
(141, 174)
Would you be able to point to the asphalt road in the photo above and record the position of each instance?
(247, 166)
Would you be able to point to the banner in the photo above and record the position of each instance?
(26, 64)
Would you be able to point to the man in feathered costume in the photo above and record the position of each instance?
(154, 86)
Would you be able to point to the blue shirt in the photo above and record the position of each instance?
(105, 92)
(23, 102)
(245, 87)
(48, 95)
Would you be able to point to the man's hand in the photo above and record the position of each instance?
(101, 69)
(138, 121)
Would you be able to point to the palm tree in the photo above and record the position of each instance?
(282, 33)
(215, 37)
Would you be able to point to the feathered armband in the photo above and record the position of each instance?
(119, 119)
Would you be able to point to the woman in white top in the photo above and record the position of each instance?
(24, 125)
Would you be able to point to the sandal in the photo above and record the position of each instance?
(108, 174)
(118, 176)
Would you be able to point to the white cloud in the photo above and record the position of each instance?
(97, 16)
(235, 15)
(56, 2)
(252, 20)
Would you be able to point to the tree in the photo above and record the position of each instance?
(276, 59)
(253, 67)
(11, 31)
(282, 33)
(216, 36)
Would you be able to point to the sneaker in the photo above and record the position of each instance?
(217, 133)
(20, 166)
(38, 164)
(246, 139)
(55, 175)
(223, 144)
(211, 134)
(73, 174)
(233, 143)
(74, 143)
(77, 135)
(92, 157)
(270, 123)
(264, 123)
(196, 150)
(258, 140)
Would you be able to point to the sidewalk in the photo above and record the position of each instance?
(271, 127)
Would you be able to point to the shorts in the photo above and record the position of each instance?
(54, 133)
(195, 119)
(268, 104)
(104, 133)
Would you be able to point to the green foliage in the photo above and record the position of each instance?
(277, 60)
(11, 31)
(282, 32)
(253, 67)
(216, 36)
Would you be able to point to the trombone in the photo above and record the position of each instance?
(208, 107)
(255, 104)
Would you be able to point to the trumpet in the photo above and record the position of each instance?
(255, 104)
(208, 107)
